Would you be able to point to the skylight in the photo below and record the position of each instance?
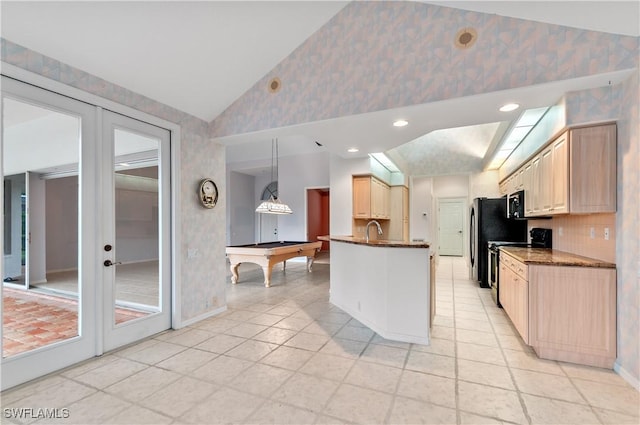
(385, 162)
(516, 135)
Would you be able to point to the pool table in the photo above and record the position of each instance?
(267, 254)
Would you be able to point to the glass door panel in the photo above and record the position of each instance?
(137, 281)
(45, 144)
(40, 300)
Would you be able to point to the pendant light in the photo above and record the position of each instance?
(274, 205)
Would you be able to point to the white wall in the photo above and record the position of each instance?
(341, 201)
(260, 183)
(484, 184)
(296, 174)
(241, 208)
(62, 223)
(421, 208)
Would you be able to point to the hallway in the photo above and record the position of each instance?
(285, 355)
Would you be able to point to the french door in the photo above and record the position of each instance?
(136, 228)
(85, 235)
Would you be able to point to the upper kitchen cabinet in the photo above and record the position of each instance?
(370, 198)
(593, 169)
(574, 173)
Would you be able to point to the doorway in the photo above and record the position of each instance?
(318, 208)
(451, 226)
(86, 231)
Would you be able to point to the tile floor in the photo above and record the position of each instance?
(285, 355)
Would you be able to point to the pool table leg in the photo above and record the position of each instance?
(234, 273)
(267, 275)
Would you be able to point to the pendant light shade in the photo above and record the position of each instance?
(274, 205)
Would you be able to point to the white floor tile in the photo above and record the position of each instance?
(286, 355)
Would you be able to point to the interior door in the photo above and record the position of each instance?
(136, 234)
(451, 226)
(48, 157)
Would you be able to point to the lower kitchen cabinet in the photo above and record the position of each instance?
(573, 314)
(565, 313)
(514, 290)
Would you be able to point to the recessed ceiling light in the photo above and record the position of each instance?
(352, 150)
(509, 107)
(124, 164)
(400, 123)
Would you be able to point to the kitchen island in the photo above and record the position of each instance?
(385, 285)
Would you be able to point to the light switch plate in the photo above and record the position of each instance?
(592, 233)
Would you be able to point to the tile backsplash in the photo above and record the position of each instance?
(572, 233)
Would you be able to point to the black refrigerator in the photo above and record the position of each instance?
(489, 222)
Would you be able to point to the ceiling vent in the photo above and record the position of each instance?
(274, 85)
(466, 38)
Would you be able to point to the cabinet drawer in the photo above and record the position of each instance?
(516, 266)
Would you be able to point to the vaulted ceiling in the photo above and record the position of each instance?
(201, 56)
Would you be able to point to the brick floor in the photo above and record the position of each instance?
(31, 320)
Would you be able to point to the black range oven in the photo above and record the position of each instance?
(540, 238)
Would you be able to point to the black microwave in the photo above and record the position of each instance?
(515, 205)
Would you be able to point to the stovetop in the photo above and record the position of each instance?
(496, 244)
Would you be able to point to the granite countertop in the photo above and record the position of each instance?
(375, 242)
(553, 257)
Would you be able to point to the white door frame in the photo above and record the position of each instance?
(42, 367)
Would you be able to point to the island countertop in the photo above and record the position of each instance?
(553, 257)
(375, 242)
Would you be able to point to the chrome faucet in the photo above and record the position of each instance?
(366, 232)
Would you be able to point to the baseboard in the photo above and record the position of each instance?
(201, 317)
(632, 380)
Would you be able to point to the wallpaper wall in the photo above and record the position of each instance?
(203, 277)
(628, 229)
(381, 55)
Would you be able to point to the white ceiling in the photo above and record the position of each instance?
(197, 56)
(200, 56)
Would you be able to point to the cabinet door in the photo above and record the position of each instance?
(535, 186)
(378, 198)
(593, 169)
(386, 201)
(527, 184)
(573, 314)
(521, 307)
(504, 278)
(361, 197)
(545, 173)
(560, 179)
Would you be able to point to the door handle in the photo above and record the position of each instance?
(459, 231)
(109, 263)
